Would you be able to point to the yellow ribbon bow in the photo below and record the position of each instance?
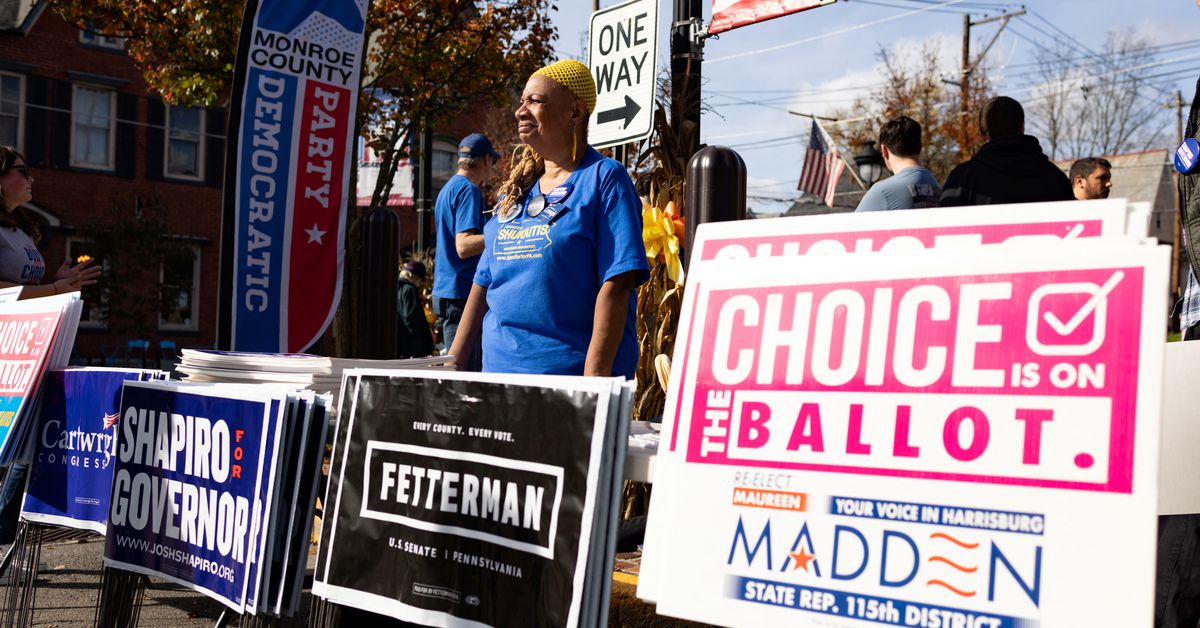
(660, 231)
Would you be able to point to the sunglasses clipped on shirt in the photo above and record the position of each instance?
(533, 207)
(23, 169)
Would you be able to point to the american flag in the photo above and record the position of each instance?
(822, 165)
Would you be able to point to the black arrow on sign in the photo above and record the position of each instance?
(626, 111)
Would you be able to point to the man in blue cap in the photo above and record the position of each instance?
(458, 216)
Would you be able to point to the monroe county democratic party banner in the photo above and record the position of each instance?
(458, 502)
(187, 490)
(730, 14)
(917, 439)
(288, 170)
(72, 468)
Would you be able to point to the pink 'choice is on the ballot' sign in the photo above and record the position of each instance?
(928, 423)
(1004, 389)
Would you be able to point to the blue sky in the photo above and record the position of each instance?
(816, 76)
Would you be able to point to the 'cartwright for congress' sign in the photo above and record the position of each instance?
(288, 174)
(624, 43)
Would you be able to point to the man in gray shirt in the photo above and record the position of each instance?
(911, 186)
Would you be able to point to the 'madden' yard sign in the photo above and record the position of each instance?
(624, 43)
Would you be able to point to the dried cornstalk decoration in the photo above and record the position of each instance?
(660, 298)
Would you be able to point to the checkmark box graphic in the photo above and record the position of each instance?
(1068, 319)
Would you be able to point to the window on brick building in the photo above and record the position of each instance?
(445, 164)
(181, 290)
(12, 97)
(89, 37)
(445, 161)
(93, 127)
(185, 143)
(95, 298)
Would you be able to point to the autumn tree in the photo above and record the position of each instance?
(1087, 104)
(435, 58)
(185, 48)
(427, 62)
(915, 87)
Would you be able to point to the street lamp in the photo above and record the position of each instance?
(869, 162)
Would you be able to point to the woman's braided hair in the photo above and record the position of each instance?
(528, 166)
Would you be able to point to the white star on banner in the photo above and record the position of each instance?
(315, 234)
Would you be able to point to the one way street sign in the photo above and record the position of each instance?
(623, 57)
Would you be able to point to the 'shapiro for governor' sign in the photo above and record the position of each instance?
(624, 43)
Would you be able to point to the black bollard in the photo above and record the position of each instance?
(375, 333)
(715, 190)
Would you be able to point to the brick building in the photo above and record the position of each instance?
(101, 147)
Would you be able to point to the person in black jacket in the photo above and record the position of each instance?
(413, 337)
(1009, 168)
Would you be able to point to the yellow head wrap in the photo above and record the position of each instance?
(574, 76)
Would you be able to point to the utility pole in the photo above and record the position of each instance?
(964, 81)
(968, 67)
(424, 185)
(685, 69)
(1176, 287)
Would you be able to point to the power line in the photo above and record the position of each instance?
(1083, 63)
(904, 8)
(770, 102)
(771, 143)
(1145, 66)
(1113, 56)
(787, 95)
(814, 90)
(984, 6)
(1161, 90)
(835, 33)
(1064, 33)
(777, 100)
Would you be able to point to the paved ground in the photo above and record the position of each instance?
(67, 593)
(67, 586)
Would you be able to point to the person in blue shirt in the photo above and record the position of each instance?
(458, 215)
(911, 186)
(555, 291)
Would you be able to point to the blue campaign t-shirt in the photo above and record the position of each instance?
(459, 208)
(911, 188)
(543, 273)
(20, 261)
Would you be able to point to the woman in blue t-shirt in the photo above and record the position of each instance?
(555, 289)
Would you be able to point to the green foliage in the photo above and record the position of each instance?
(185, 48)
